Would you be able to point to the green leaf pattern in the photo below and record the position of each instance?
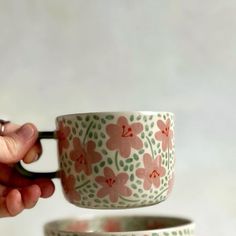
(93, 127)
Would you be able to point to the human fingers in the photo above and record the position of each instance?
(16, 200)
(30, 195)
(11, 204)
(15, 145)
(11, 178)
(47, 187)
(34, 153)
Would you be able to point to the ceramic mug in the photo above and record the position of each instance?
(121, 226)
(114, 159)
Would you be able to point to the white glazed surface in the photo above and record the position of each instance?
(142, 225)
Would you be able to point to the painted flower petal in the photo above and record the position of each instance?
(113, 144)
(66, 131)
(101, 180)
(88, 169)
(136, 143)
(122, 178)
(92, 155)
(159, 135)
(147, 160)
(140, 172)
(162, 171)
(156, 182)
(125, 191)
(65, 144)
(165, 142)
(73, 155)
(160, 168)
(80, 167)
(103, 192)
(74, 196)
(77, 143)
(108, 173)
(113, 130)
(122, 121)
(168, 122)
(136, 128)
(125, 149)
(113, 195)
(123, 136)
(90, 146)
(161, 125)
(147, 184)
(71, 181)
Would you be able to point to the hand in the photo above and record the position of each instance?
(16, 192)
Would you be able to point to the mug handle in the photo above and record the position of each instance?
(34, 175)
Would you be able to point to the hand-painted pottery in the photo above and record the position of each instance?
(121, 226)
(115, 159)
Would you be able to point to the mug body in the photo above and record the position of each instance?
(116, 159)
(121, 226)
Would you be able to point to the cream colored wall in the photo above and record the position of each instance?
(59, 57)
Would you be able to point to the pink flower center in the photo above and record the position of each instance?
(110, 182)
(154, 174)
(166, 131)
(126, 131)
(81, 159)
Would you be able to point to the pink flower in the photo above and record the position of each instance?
(165, 134)
(78, 226)
(62, 135)
(68, 183)
(111, 225)
(152, 171)
(113, 185)
(123, 136)
(84, 156)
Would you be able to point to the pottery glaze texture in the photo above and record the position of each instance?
(116, 160)
(127, 226)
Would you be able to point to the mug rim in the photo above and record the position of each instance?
(147, 113)
(186, 222)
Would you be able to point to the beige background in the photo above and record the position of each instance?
(61, 56)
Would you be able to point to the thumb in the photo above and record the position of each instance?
(14, 146)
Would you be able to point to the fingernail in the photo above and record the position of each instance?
(36, 157)
(26, 131)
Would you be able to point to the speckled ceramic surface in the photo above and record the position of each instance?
(121, 226)
(116, 159)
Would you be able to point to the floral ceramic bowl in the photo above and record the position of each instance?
(115, 159)
(121, 226)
